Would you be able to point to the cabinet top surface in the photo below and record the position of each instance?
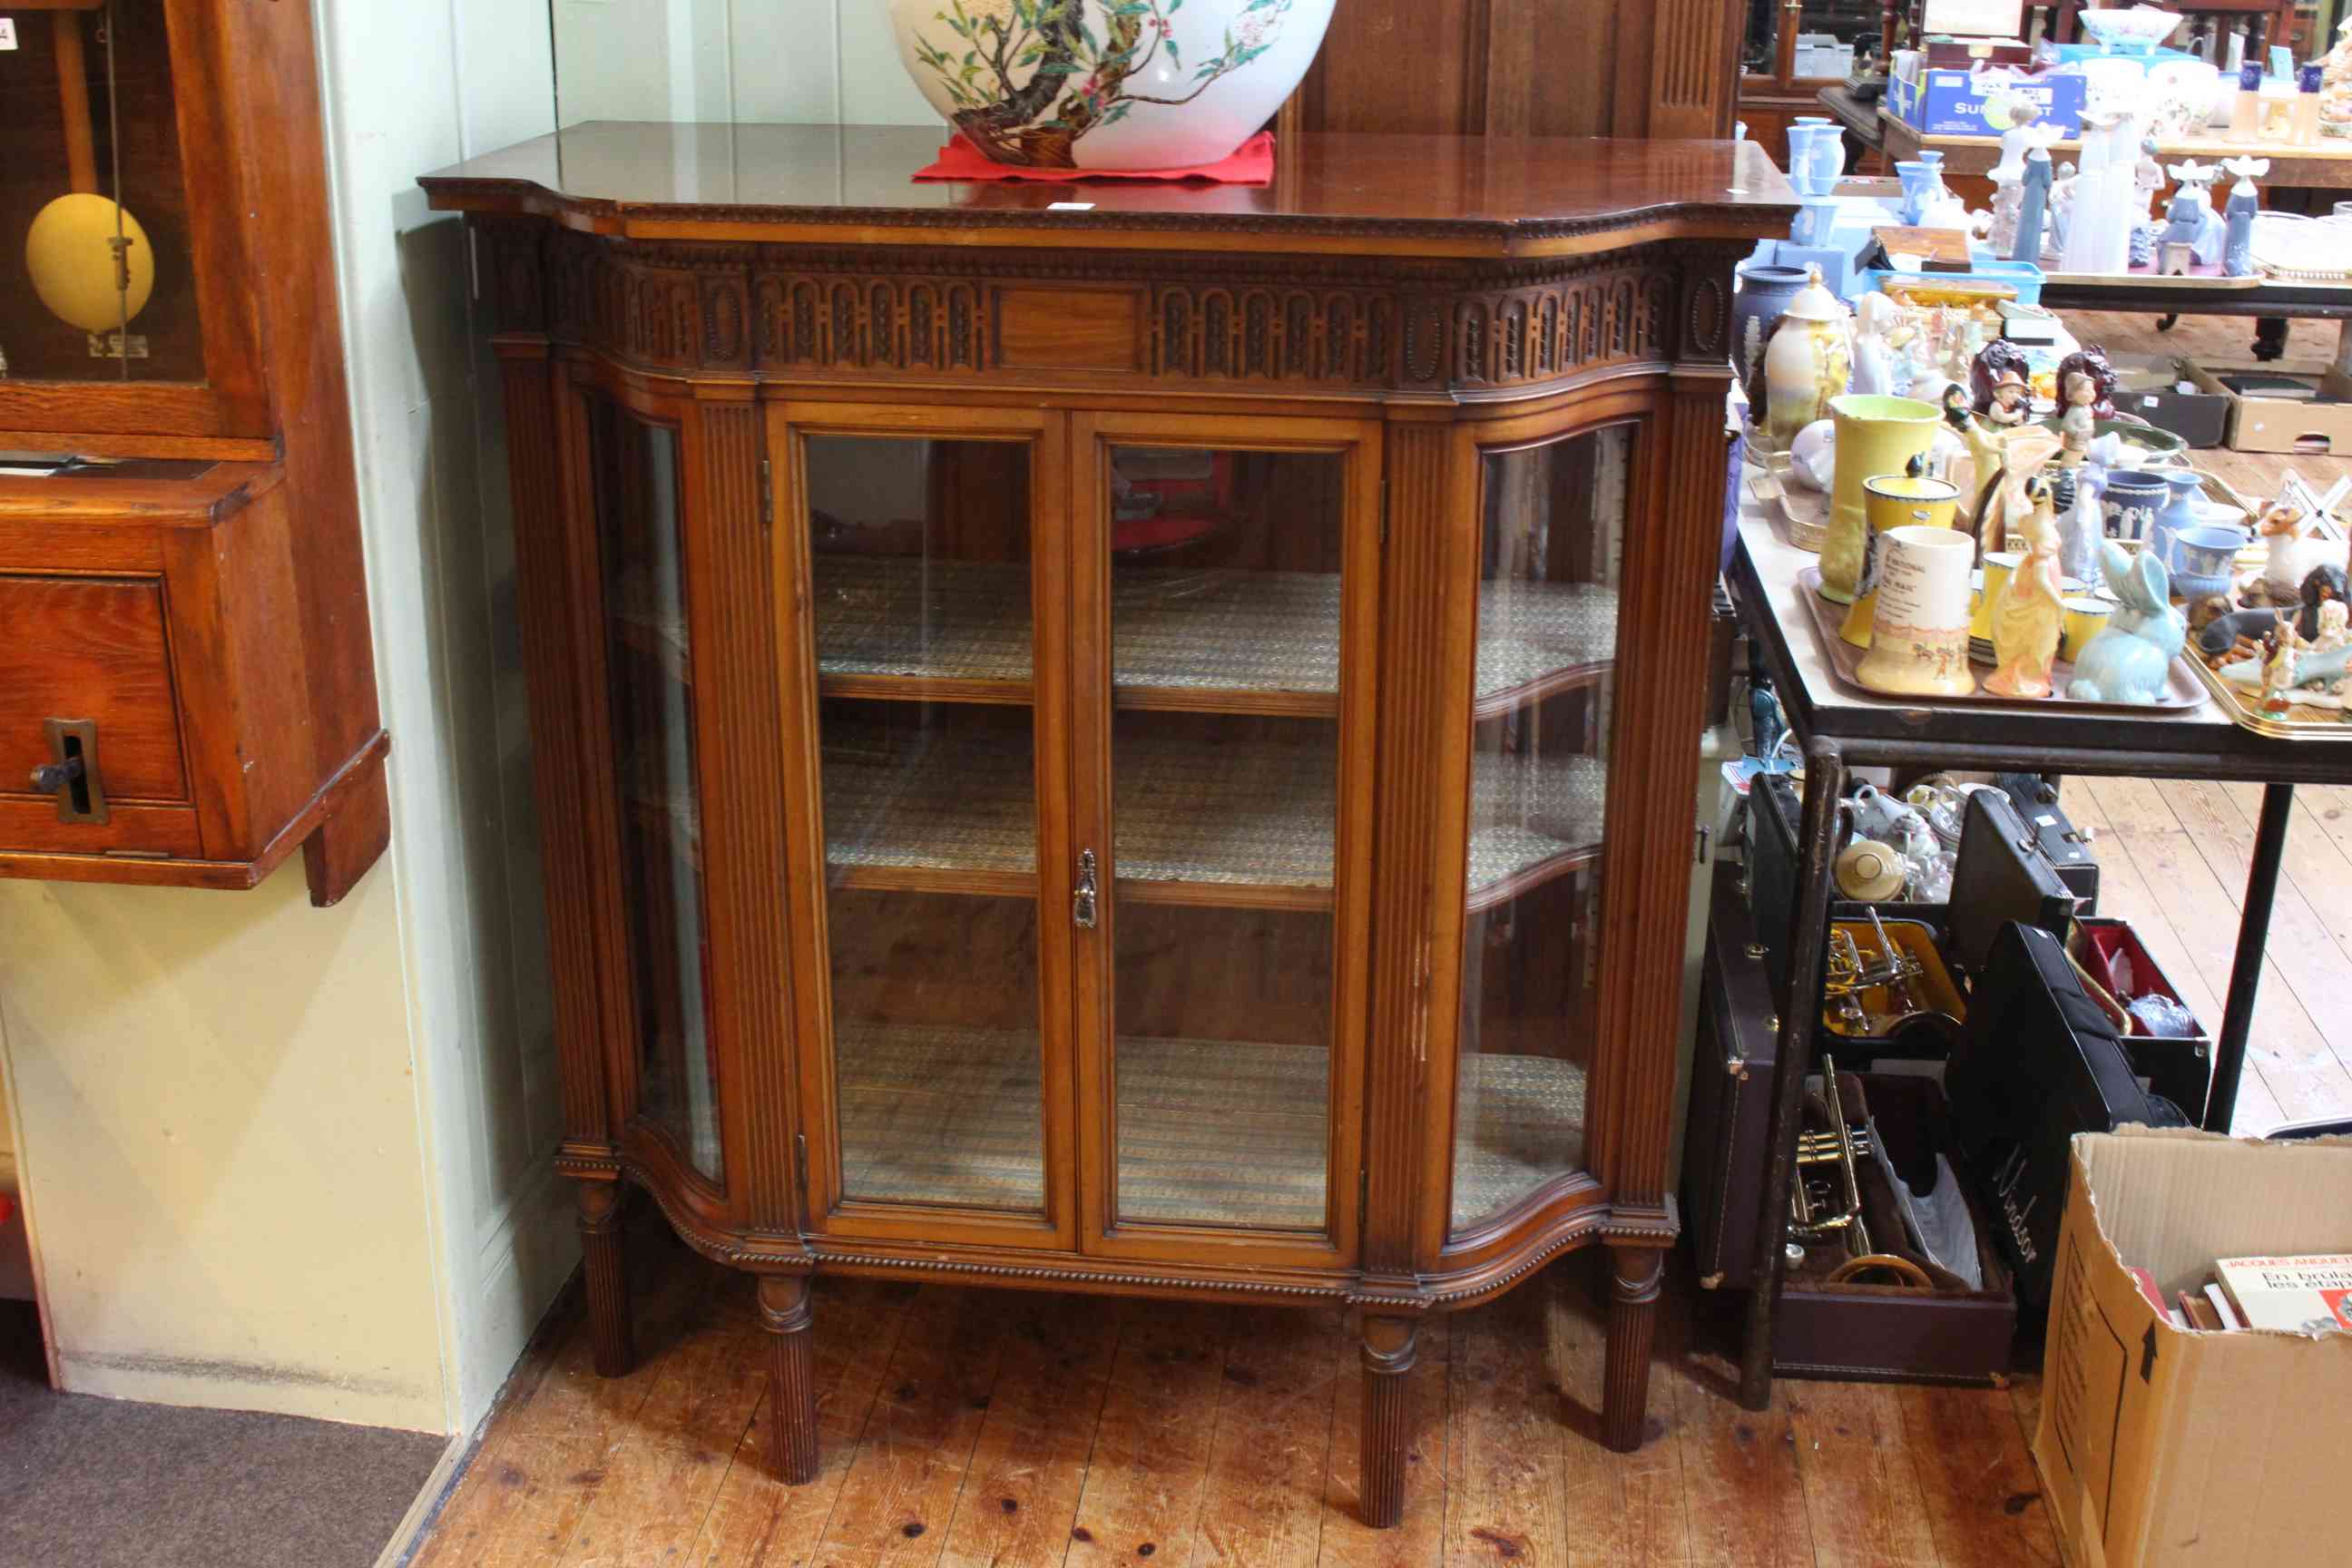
(1435, 194)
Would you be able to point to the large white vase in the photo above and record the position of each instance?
(1109, 84)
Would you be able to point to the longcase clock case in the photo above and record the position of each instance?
(1144, 750)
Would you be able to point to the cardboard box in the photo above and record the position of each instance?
(2160, 1447)
(1941, 102)
(2259, 423)
(2147, 386)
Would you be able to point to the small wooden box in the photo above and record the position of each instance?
(165, 632)
(2259, 423)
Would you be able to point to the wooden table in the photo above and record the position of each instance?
(2327, 166)
(2269, 302)
(1860, 121)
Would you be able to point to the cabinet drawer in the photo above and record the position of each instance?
(93, 648)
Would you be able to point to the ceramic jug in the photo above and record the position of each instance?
(1919, 642)
(1806, 365)
(1109, 84)
(1891, 501)
(1874, 436)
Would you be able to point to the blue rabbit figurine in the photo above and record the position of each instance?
(2131, 660)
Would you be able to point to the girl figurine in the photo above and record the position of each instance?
(2086, 381)
(2002, 381)
(2032, 610)
(2278, 669)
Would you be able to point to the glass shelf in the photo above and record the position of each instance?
(1237, 823)
(1210, 1131)
(1229, 641)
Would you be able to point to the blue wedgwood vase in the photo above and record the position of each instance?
(1765, 290)
(2179, 512)
(2130, 504)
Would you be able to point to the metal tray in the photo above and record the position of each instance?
(2182, 693)
(2304, 722)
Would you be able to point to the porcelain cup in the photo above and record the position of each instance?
(1874, 436)
(1919, 639)
(2085, 619)
(1998, 565)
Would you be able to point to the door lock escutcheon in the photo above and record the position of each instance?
(72, 773)
(1081, 897)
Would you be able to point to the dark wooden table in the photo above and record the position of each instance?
(2271, 302)
(1842, 730)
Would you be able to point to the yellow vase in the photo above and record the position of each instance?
(1892, 501)
(1874, 436)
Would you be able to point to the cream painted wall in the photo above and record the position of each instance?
(285, 1159)
(802, 61)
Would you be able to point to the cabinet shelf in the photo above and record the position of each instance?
(1199, 641)
(1210, 1131)
(1239, 823)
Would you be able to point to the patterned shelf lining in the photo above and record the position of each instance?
(1215, 1133)
(1238, 813)
(1200, 631)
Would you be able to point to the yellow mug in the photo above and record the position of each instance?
(1998, 565)
(2085, 619)
(1892, 501)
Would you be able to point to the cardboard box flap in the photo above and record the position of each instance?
(2172, 1200)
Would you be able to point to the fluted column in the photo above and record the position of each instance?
(608, 1284)
(1635, 1274)
(792, 1376)
(1390, 1347)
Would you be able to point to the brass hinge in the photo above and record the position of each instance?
(800, 1165)
(767, 494)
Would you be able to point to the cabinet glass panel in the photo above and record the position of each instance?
(919, 555)
(1226, 626)
(94, 250)
(1551, 554)
(647, 653)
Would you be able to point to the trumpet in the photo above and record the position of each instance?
(1831, 1207)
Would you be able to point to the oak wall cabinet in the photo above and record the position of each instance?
(187, 693)
(1143, 747)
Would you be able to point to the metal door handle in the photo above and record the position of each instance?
(51, 777)
(1082, 901)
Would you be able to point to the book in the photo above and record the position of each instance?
(2219, 1300)
(2197, 1312)
(2309, 1294)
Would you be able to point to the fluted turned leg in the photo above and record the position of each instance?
(1636, 1273)
(792, 1377)
(608, 1284)
(1390, 1347)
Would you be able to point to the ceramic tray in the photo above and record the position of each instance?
(1801, 516)
(2182, 692)
(2303, 721)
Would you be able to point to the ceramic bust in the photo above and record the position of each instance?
(2031, 612)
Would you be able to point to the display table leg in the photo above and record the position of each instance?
(2246, 973)
(2269, 338)
(1635, 1273)
(608, 1284)
(2344, 346)
(1800, 1009)
(792, 1376)
(1390, 1345)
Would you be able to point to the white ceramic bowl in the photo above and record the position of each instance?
(2136, 31)
(1109, 84)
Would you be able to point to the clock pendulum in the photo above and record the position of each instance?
(89, 258)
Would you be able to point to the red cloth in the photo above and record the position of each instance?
(1252, 165)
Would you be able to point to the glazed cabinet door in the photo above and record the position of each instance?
(1224, 583)
(921, 560)
(1554, 509)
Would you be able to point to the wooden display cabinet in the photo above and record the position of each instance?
(1143, 747)
(187, 694)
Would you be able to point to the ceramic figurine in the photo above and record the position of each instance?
(2083, 529)
(2335, 626)
(2190, 221)
(2086, 385)
(2031, 614)
(2278, 670)
(2294, 552)
(2131, 659)
(2237, 239)
(2326, 585)
(2061, 207)
(2034, 200)
(2147, 182)
(2002, 380)
(1875, 318)
(1807, 363)
(2005, 503)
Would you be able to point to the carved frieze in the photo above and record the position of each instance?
(1400, 325)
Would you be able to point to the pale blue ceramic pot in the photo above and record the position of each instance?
(2179, 512)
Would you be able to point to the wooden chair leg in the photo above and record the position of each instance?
(608, 1284)
(792, 1377)
(1390, 1346)
(1636, 1273)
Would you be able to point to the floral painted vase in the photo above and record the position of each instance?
(1109, 84)
(1808, 362)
